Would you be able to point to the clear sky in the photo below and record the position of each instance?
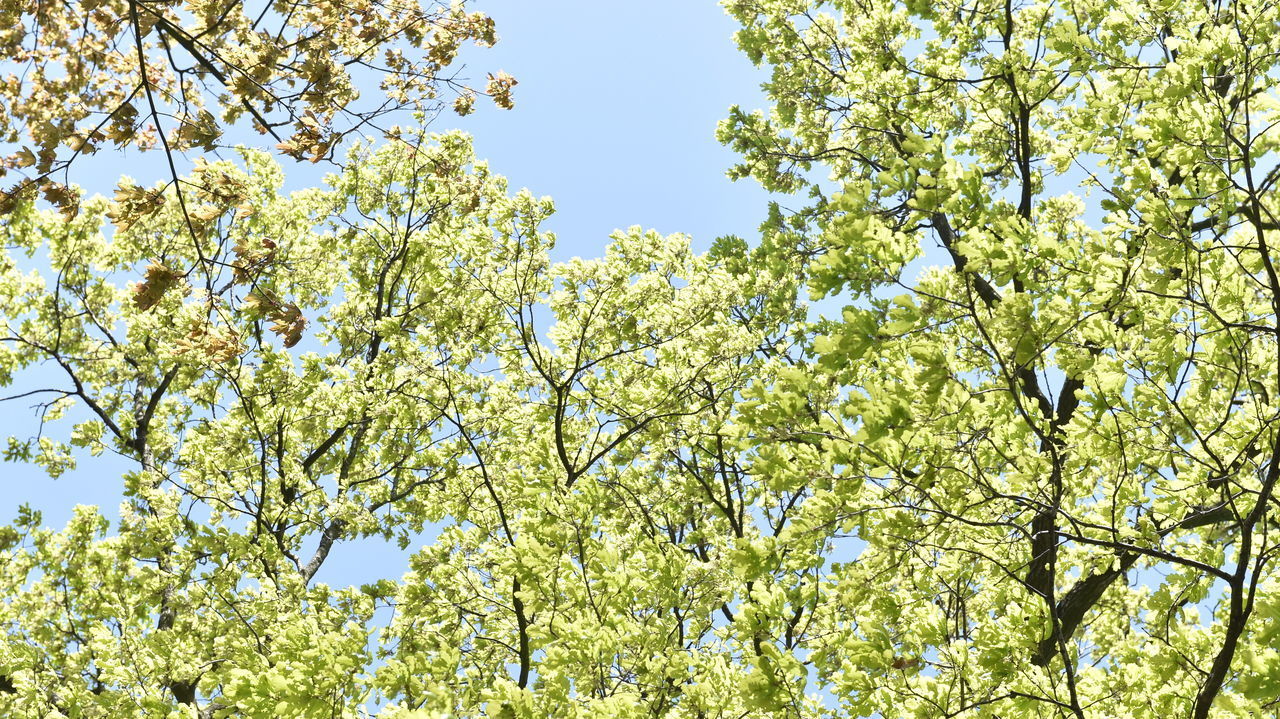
(616, 115)
(615, 118)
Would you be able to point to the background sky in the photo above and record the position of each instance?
(615, 118)
(616, 114)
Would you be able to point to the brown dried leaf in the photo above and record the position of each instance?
(159, 280)
(499, 88)
(64, 198)
(288, 322)
(22, 158)
(133, 203)
(202, 131)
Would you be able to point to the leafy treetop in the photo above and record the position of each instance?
(175, 73)
(561, 425)
(1060, 443)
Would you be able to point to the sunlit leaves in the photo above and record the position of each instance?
(361, 362)
(175, 75)
(1057, 357)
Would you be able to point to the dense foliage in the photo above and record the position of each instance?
(1060, 442)
(172, 74)
(1027, 470)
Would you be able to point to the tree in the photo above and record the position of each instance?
(176, 73)
(360, 361)
(1049, 408)
(1043, 426)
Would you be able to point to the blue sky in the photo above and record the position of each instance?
(615, 118)
(616, 114)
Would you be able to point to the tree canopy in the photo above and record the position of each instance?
(173, 74)
(1028, 469)
(1059, 441)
